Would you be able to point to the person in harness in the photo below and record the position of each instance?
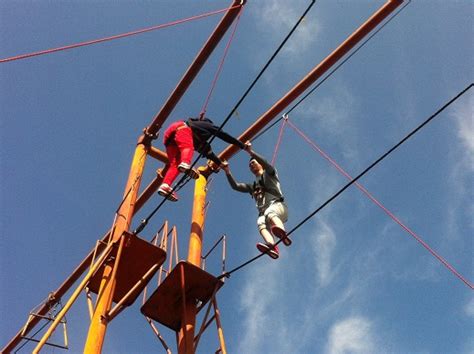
(181, 138)
(271, 206)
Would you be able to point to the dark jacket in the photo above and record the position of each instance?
(203, 130)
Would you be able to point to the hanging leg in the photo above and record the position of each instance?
(184, 141)
(275, 215)
(268, 247)
(172, 172)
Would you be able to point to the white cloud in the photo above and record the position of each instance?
(334, 111)
(277, 14)
(264, 311)
(324, 242)
(422, 268)
(258, 299)
(460, 178)
(333, 117)
(469, 309)
(351, 335)
(465, 128)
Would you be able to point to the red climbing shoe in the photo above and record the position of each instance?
(185, 168)
(271, 250)
(167, 192)
(281, 234)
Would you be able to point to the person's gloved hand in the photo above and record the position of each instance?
(225, 167)
(213, 166)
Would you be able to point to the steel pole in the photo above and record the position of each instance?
(158, 120)
(188, 320)
(196, 65)
(98, 326)
(71, 301)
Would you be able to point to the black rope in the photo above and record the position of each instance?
(429, 119)
(346, 59)
(145, 221)
(303, 98)
(265, 68)
(329, 74)
(267, 128)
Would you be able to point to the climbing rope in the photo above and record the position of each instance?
(145, 221)
(380, 205)
(263, 70)
(280, 135)
(128, 34)
(337, 67)
(346, 59)
(354, 180)
(221, 64)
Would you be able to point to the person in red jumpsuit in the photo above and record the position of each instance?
(181, 138)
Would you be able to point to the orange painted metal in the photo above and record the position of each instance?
(150, 189)
(197, 222)
(314, 75)
(188, 321)
(158, 120)
(194, 68)
(98, 326)
(72, 299)
(277, 108)
(158, 154)
(55, 296)
(139, 257)
(165, 304)
(220, 331)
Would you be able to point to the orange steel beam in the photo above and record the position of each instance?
(72, 299)
(67, 284)
(197, 223)
(57, 295)
(220, 332)
(194, 68)
(98, 326)
(178, 92)
(314, 75)
(277, 108)
(151, 188)
(158, 120)
(185, 336)
(158, 154)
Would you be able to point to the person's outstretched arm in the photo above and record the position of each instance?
(209, 154)
(207, 126)
(240, 187)
(260, 159)
(228, 138)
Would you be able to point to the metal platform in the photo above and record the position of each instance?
(138, 257)
(165, 305)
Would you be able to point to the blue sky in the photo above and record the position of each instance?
(353, 281)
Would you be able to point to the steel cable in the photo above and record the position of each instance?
(372, 165)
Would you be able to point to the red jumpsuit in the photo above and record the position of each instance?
(181, 139)
(178, 139)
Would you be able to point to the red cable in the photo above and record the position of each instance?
(23, 56)
(219, 69)
(388, 212)
(280, 135)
